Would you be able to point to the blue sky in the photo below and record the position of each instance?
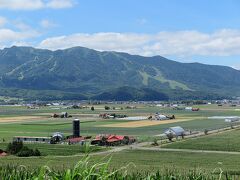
(206, 31)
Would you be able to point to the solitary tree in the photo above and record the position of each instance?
(92, 108)
(182, 135)
(107, 107)
(155, 142)
(205, 131)
(170, 136)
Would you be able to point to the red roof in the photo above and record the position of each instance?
(115, 137)
(3, 154)
(76, 140)
(110, 137)
(113, 140)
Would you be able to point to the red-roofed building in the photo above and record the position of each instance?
(77, 140)
(2, 153)
(111, 140)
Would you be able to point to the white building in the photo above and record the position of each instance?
(175, 131)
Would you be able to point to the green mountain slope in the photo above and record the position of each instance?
(86, 73)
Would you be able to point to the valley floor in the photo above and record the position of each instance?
(205, 153)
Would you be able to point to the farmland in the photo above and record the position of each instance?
(226, 141)
(21, 121)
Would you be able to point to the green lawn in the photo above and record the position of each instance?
(225, 141)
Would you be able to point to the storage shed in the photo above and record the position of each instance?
(57, 137)
(176, 131)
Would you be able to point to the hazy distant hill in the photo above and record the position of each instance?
(80, 73)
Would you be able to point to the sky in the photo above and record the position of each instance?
(204, 31)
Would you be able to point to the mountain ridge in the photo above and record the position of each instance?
(90, 74)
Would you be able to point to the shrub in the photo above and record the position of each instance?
(25, 152)
(17, 148)
(206, 132)
(107, 107)
(155, 142)
(37, 152)
(14, 147)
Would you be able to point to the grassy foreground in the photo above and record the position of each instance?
(88, 171)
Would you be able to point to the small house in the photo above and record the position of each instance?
(188, 108)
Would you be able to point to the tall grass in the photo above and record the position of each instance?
(84, 170)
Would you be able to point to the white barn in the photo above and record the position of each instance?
(176, 131)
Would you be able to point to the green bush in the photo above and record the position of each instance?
(106, 107)
(14, 147)
(17, 148)
(26, 152)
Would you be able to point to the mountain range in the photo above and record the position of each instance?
(82, 73)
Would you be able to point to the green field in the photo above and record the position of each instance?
(60, 156)
(90, 125)
(226, 141)
(140, 160)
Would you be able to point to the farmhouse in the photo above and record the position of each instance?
(112, 140)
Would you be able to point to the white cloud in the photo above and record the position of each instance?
(47, 24)
(3, 21)
(8, 35)
(224, 42)
(99, 41)
(19, 34)
(21, 4)
(20, 25)
(142, 21)
(58, 4)
(35, 4)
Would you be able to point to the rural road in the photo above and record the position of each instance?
(140, 146)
